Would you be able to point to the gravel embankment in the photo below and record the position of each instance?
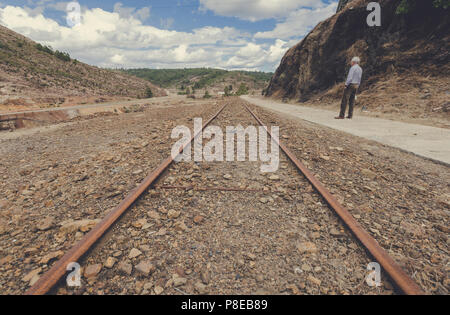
(57, 183)
(280, 239)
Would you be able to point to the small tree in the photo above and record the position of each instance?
(445, 4)
(207, 95)
(406, 6)
(148, 92)
(243, 90)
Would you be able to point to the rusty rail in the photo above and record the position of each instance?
(58, 270)
(404, 282)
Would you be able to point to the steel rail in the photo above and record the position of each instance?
(403, 281)
(59, 269)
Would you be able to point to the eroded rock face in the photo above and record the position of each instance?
(419, 40)
(342, 4)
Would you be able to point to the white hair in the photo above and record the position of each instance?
(356, 60)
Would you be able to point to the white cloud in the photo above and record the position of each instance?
(254, 10)
(256, 56)
(121, 39)
(117, 59)
(124, 12)
(291, 27)
(249, 50)
(166, 23)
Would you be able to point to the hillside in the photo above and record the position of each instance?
(33, 76)
(405, 61)
(203, 78)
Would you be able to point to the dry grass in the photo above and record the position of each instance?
(29, 75)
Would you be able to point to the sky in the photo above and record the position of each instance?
(226, 34)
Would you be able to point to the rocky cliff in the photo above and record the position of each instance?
(417, 41)
(342, 4)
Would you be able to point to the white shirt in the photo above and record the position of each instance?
(354, 75)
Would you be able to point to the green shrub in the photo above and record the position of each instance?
(62, 55)
(445, 4)
(148, 93)
(207, 95)
(407, 6)
(4, 46)
(58, 54)
(243, 90)
(46, 49)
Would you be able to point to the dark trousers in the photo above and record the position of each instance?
(349, 97)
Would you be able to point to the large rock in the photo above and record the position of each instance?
(134, 253)
(46, 224)
(110, 262)
(402, 42)
(173, 214)
(82, 225)
(29, 276)
(178, 281)
(92, 271)
(145, 268)
(307, 248)
(51, 256)
(125, 267)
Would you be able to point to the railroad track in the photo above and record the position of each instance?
(59, 269)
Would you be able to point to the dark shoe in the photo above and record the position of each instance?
(339, 117)
(349, 117)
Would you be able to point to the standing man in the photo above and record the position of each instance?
(351, 87)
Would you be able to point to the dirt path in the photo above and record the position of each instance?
(50, 122)
(92, 106)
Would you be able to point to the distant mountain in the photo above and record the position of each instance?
(35, 74)
(202, 78)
